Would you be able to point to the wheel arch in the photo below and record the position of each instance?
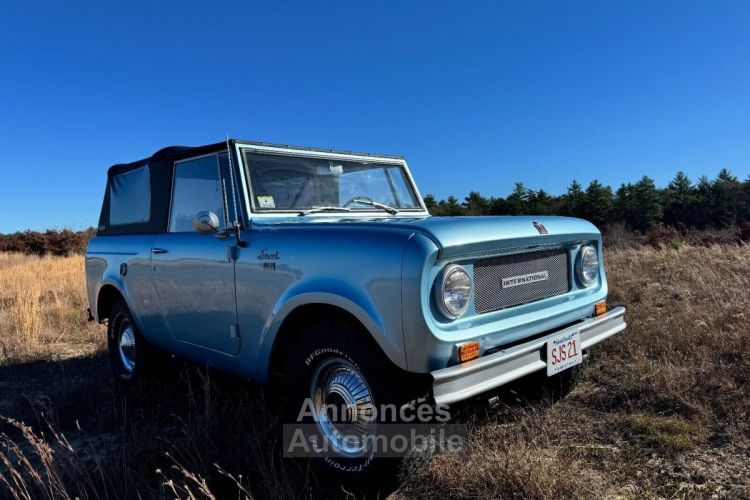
(108, 294)
(292, 325)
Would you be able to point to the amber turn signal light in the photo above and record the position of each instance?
(600, 308)
(468, 351)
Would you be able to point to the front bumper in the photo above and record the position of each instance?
(460, 382)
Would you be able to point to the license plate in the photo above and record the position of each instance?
(563, 352)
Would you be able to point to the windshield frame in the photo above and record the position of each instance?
(241, 149)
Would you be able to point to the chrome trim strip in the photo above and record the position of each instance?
(244, 182)
(264, 144)
(460, 382)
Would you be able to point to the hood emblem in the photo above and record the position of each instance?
(540, 227)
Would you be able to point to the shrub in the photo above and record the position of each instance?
(662, 236)
(54, 242)
(617, 236)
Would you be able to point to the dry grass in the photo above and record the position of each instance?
(43, 309)
(662, 411)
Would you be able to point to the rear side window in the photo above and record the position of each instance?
(197, 187)
(130, 197)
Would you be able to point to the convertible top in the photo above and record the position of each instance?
(171, 154)
(157, 181)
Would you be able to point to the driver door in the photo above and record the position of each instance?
(193, 272)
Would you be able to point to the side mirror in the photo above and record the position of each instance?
(206, 223)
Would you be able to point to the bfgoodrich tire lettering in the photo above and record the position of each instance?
(337, 345)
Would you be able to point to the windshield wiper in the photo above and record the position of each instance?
(373, 203)
(315, 210)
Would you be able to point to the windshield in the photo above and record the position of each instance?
(297, 183)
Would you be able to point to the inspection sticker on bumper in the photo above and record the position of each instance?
(563, 352)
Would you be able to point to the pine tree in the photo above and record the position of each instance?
(430, 203)
(599, 204)
(574, 201)
(624, 210)
(541, 203)
(646, 203)
(517, 200)
(727, 199)
(476, 204)
(451, 206)
(680, 201)
(704, 202)
(498, 206)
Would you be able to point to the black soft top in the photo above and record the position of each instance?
(160, 166)
(160, 170)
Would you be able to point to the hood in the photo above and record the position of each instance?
(469, 235)
(456, 236)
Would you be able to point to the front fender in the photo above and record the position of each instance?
(355, 269)
(358, 304)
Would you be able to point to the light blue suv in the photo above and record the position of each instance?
(323, 269)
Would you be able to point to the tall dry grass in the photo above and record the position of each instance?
(43, 308)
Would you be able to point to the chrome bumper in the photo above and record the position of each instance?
(460, 382)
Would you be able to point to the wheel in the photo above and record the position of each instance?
(129, 352)
(341, 390)
(560, 385)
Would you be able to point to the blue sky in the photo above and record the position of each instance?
(476, 95)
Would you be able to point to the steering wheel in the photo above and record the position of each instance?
(354, 199)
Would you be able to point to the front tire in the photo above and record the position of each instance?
(334, 365)
(558, 386)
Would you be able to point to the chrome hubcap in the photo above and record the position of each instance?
(343, 405)
(127, 347)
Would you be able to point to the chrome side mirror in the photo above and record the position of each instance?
(206, 223)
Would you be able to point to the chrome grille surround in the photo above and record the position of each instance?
(489, 294)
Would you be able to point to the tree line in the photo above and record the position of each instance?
(706, 204)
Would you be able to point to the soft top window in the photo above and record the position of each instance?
(130, 197)
(197, 187)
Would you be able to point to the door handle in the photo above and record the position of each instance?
(159, 250)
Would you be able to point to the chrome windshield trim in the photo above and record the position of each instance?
(240, 148)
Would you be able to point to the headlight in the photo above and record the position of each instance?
(453, 291)
(588, 265)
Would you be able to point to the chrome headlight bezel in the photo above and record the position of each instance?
(587, 265)
(442, 288)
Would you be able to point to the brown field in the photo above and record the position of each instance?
(663, 410)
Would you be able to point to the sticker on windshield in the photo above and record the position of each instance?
(266, 202)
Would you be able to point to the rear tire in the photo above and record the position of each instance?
(129, 352)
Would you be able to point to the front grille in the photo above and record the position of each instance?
(490, 294)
